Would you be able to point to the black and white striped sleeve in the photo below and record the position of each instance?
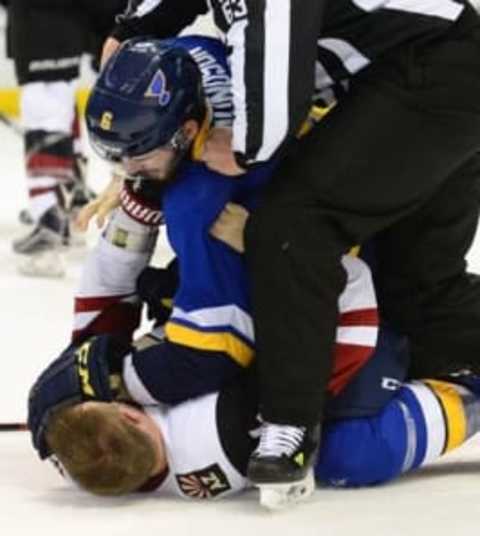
(273, 48)
(158, 18)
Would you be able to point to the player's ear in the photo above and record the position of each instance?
(129, 413)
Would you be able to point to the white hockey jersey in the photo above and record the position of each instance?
(198, 466)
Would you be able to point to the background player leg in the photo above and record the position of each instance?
(46, 65)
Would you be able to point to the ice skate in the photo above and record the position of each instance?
(42, 249)
(25, 217)
(281, 465)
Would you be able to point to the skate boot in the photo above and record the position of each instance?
(282, 464)
(465, 378)
(25, 218)
(42, 249)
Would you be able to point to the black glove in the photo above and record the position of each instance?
(86, 371)
(156, 287)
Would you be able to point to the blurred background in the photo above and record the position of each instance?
(36, 311)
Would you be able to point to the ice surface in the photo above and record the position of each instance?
(35, 320)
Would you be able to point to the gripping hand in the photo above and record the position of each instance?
(156, 288)
(87, 371)
(101, 206)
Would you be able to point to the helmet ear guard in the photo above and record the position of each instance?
(146, 92)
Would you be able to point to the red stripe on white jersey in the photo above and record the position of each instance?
(358, 324)
(120, 319)
(96, 303)
(360, 317)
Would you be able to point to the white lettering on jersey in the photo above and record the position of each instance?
(217, 86)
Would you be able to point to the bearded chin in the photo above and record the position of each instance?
(171, 170)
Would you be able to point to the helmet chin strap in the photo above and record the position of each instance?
(181, 145)
(180, 142)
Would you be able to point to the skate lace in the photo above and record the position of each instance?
(278, 440)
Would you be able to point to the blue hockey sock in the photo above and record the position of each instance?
(423, 421)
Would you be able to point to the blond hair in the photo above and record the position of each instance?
(103, 452)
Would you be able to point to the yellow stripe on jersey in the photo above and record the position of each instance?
(225, 342)
(454, 412)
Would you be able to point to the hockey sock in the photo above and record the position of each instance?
(422, 422)
(445, 416)
(47, 111)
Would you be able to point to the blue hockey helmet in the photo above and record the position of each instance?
(145, 93)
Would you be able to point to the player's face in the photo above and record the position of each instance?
(160, 164)
(156, 164)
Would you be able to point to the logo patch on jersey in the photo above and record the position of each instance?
(205, 483)
(158, 88)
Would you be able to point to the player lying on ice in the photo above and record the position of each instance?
(375, 428)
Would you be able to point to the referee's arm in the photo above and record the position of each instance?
(161, 18)
(273, 45)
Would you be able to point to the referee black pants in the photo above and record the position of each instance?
(397, 159)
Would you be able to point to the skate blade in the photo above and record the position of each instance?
(48, 264)
(280, 496)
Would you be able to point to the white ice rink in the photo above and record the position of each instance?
(35, 315)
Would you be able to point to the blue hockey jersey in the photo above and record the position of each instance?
(210, 334)
(211, 308)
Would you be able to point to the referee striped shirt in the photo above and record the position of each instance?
(283, 51)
